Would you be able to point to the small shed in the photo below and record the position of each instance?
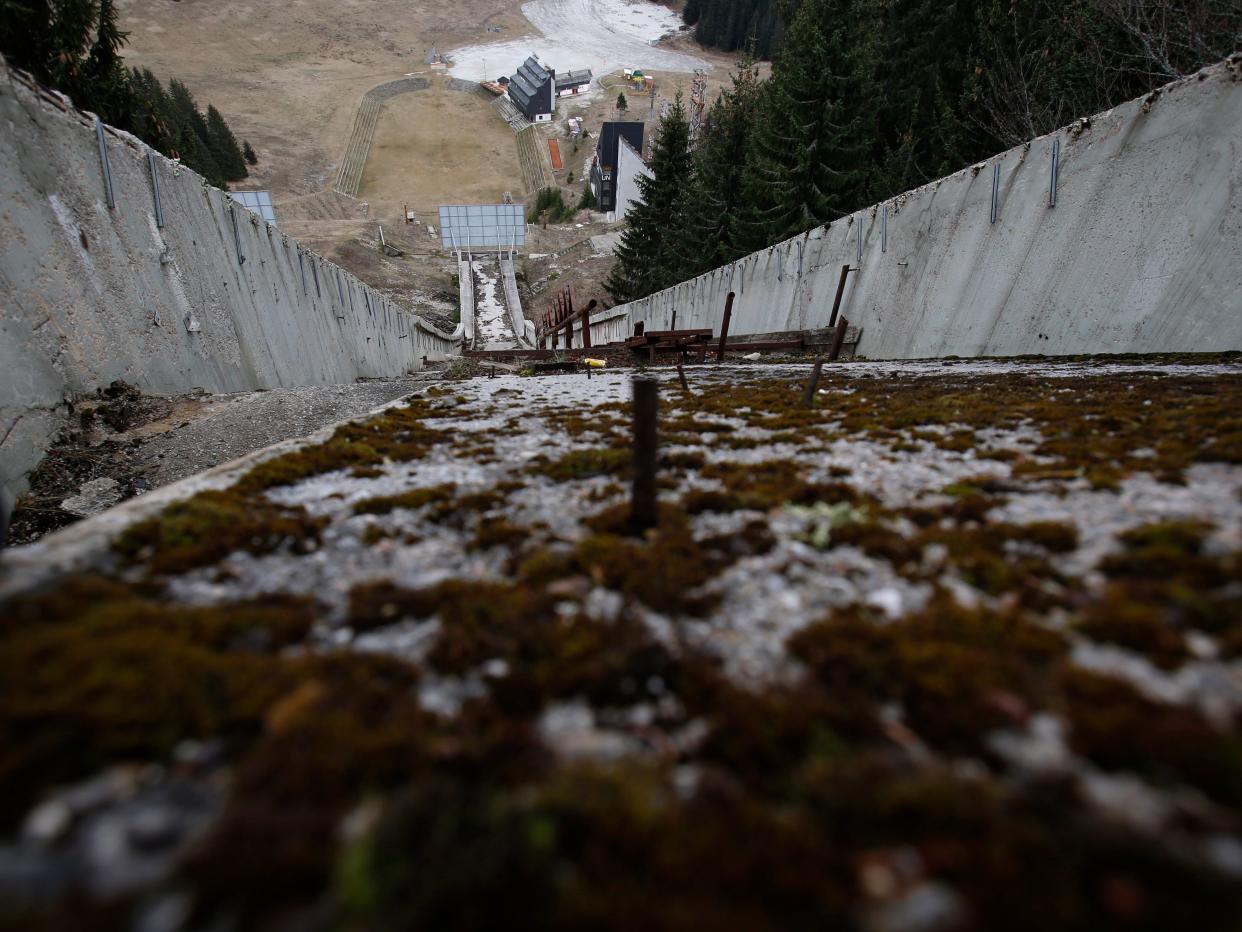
(573, 83)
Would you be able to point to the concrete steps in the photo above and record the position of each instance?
(349, 177)
(510, 114)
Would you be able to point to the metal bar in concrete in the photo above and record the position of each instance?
(884, 229)
(681, 376)
(644, 509)
(838, 339)
(808, 397)
(724, 327)
(995, 191)
(103, 160)
(1055, 173)
(153, 167)
(586, 323)
(836, 302)
(241, 260)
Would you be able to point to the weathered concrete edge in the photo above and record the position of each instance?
(87, 544)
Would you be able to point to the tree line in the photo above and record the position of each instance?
(870, 98)
(74, 47)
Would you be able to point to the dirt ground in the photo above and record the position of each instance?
(134, 442)
(439, 146)
(288, 77)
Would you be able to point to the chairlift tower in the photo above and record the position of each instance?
(698, 101)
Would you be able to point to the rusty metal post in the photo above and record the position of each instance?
(644, 510)
(569, 315)
(586, 323)
(836, 302)
(838, 339)
(681, 374)
(724, 327)
(808, 399)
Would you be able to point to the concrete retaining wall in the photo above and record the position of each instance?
(1142, 252)
(513, 301)
(214, 299)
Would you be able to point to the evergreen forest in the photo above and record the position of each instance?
(74, 47)
(870, 98)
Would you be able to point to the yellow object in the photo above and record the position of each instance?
(595, 363)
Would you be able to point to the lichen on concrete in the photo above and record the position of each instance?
(958, 640)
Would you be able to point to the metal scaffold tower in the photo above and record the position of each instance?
(698, 100)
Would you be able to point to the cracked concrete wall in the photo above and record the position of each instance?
(215, 299)
(1142, 252)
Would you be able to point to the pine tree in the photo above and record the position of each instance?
(224, 147)
(645, 261)
(74, 46)
(248, 154)
(707, 211)
(103, 71)
(809, 163)
(622, 105)
(190, 134)
(923, 70)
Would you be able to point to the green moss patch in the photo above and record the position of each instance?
(202, 530)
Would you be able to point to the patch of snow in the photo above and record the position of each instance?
(603, 35)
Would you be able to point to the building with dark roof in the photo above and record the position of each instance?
(533, 90)
(573, 83)
(607, 158)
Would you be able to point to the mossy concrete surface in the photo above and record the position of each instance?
(957, 647)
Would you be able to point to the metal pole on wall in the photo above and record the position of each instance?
(995, 191)
(155, 188)
(1056, 171)
(103, 159)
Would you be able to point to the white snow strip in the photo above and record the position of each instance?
(603, 35)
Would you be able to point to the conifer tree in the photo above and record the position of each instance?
(645, 260)
(248, 154)
(190, 134)
(224, 147)
(809, 163)
(707, 211)
(103, 71)
(622, 105)
(74, 46)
